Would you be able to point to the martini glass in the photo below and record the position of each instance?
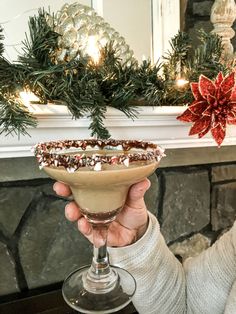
(99, 173)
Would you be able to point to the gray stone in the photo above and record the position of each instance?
(222, 173)
(8, 282)
(49, 246)
(25, 168)
(223, 211)
(47, 189)
(202, 8)
(191, 247)
(70, 251)
(186, 206)
(151, 196)
(198, 156)
(13, 203)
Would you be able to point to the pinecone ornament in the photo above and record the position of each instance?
(78, 24)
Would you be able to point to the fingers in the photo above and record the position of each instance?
(95, 236)
(61, 189)
(137, 192)
(85, 227)
(134, 214)
(72, 211)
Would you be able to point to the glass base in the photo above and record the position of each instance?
(77, 297)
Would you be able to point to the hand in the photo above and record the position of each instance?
(130, 224)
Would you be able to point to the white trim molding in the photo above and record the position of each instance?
(163, 14)
(97, 5)
(156, 124)
(165, 24)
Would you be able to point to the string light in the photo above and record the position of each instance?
(93, 50)
(28, 98)
(181, 82)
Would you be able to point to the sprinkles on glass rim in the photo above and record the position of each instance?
(56, 153)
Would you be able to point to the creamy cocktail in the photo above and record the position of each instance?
(99, 173)
(101, 194)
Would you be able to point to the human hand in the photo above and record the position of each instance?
(130, 224)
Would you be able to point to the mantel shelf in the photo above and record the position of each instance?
(157, 124)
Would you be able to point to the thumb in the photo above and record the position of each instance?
(136, 193)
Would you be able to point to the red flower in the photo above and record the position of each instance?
(214, 106)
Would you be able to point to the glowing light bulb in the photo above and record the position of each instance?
(28, 98)
(181, 82)
(92, 49)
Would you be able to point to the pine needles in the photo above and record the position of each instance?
(87, 88)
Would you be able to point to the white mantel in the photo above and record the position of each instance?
(157, 124)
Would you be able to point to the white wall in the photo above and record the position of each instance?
(133, 19)
(166, 24)
(14, 19)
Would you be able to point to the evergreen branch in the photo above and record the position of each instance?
(14, 117)
(180, 48)
(207, 57)
(12, 77)
(186, 61)
(97, 127)
(39, 47)
(109, 58)
(87, 89)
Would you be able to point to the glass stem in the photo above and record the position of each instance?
(100, 278)
(100, 255)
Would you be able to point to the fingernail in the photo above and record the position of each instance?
(54, 187)
(67, 212)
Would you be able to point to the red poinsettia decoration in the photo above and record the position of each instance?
(214, 106)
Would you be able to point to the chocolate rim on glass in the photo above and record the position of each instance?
(99, 173)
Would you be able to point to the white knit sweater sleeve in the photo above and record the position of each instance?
(159, 275)
(210, 276)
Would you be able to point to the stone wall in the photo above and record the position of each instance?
(37, 244)
(39, 247)
(194, 200)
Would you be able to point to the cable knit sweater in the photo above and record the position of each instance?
(203, 285)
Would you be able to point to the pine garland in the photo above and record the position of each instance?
(14, 116)
(87, 89)
(190, 62)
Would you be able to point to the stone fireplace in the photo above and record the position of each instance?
(193, 195)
